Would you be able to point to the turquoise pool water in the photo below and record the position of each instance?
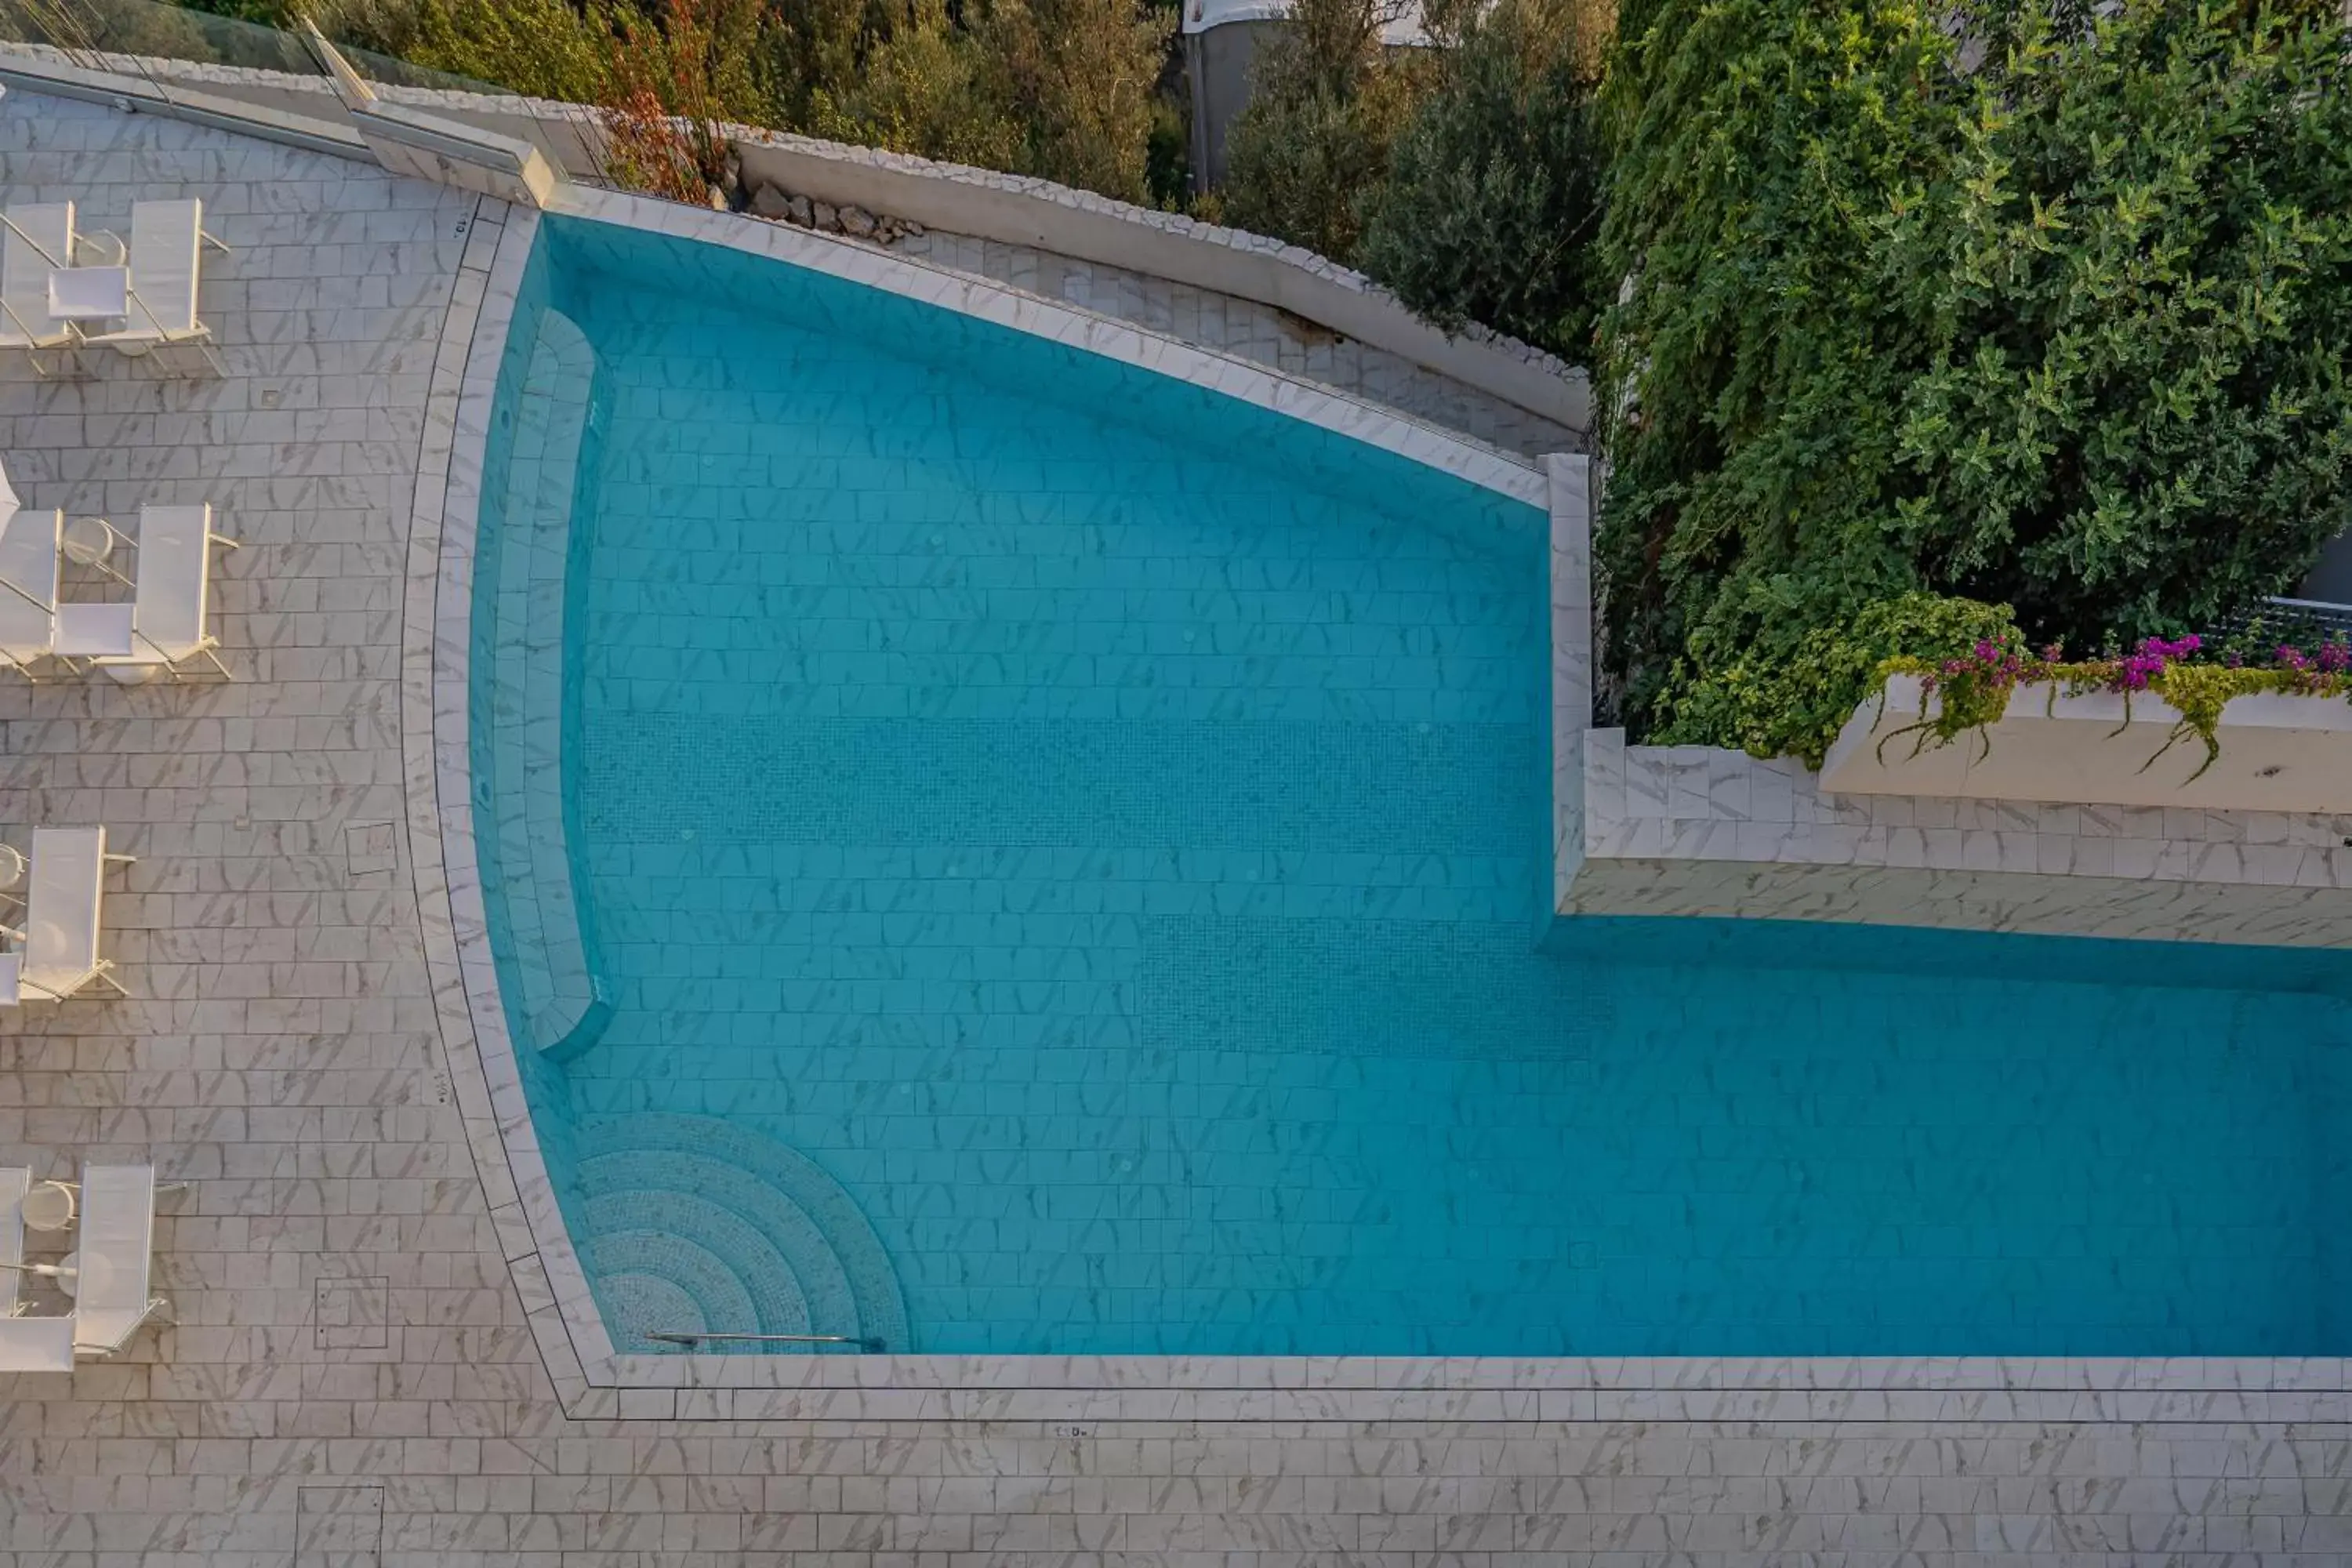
(1065, 859)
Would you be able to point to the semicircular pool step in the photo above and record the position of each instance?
(659, 1279)
(693, 1224)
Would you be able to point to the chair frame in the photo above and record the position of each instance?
(129, 344)
(207, 645)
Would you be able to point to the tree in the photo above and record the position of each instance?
(1327, 99)
(1082, 77)
(546, 48)
(1492, 200)
(920, 90)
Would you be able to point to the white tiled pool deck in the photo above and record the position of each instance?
(352, 1379)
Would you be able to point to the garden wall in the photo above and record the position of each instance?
(1694, 830)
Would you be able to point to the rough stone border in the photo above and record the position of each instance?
(592, 1381)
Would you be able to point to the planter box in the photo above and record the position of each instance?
(2278, 753)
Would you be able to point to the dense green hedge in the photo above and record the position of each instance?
(2057, 318)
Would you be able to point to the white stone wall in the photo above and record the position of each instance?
(1253, 330)
(1017, 210)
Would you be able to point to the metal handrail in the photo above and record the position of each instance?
(674, 1337)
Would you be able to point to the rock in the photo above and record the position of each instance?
(770, 201)
(858, 223)
(910, 228)
(825, 217)
(801, 212)
(717, 199)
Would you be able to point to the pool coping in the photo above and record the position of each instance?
(594, 1382)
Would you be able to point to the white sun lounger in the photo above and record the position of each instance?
(165, 624)
(28, 582)
(26, 1344)
(35, 241)
(61, 913)
(117, 1260)
(166, 239)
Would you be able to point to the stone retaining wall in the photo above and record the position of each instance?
(1698, 831)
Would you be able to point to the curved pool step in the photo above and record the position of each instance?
(782, 1260)
(680, 1282)
(690, 1212)
(560, 1004)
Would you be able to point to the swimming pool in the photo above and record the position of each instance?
(991, 850)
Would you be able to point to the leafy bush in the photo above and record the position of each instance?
(1327, 99)
(1791, 697)
(547, 48)
(1493, 199)
(1081, 77)
(1070, 90)
(918, 90)
(2067, 331)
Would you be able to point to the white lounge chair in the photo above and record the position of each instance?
(26, 1344)
(165, 625)
(116, 1261)
(35, 241)
(167, 239)
(29, 548)
(62, 914)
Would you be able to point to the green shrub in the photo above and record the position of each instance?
(547, 48)
(1081, 77)
(1791, 697)
(918, 90)
(2067, 331)
(1327, 99)
(1492, 199)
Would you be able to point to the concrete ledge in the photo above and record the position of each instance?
(1079, 224)
(1699, 831)
(2278, 753)
(38, 70)
(518, 149)
(430, 147)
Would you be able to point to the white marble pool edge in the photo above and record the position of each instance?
(594, 1382)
